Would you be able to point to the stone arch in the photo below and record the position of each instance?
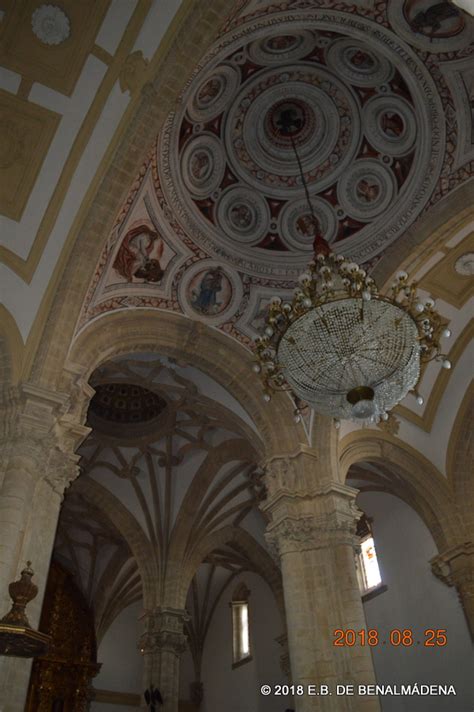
(460, 459)
(207, 349)
(125, 523)
(244, 542)
(436, 227)
(11, 349)
(415, 480)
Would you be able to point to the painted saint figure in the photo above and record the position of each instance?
(205, 297)
(367, 191)
(361, 60)
(241, 216)
(307, 225)
(199, 165)
(139, 255)
(209, 91)
(392, 124)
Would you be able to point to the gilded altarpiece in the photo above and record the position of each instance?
(61, 680)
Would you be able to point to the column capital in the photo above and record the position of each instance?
(455, 566)
(325, 518)
(164, 631)
(38, 434)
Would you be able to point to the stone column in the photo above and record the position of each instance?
(312, 530)
(162, 644)
(455, 567)
(285, 667)
(38, 464)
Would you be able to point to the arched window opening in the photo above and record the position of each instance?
(240, 625)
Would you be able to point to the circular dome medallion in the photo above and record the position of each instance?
(390, 124)
(360, 66)
(213, 93)
(210, 292)
(203, 165)
(243, 215)
(465, 264)
(431, 25)
(296, 224)
(326, 121)
(324, 103)
(367, 189)
(280, 48)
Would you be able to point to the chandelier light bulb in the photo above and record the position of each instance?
(419, 307)
(420, 400)
(446, 364)
(446, 333)
(267, 397)
(430, 303)
(256, 368)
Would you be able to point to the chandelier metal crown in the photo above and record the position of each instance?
(340, 345)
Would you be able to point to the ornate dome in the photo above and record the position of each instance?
(356, 98)
(124, 404)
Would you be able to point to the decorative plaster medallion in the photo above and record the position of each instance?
(203, 165)
(465, 264)
(210, 292)
(355, 97)
(390, 124)
(296, 225)
(280, 48)
(431, 25)
(264, 158)
(213, 93)
(50, 24)
(362, 67)
(367, 189)
(243, 214)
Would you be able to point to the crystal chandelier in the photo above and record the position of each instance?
(341, 346)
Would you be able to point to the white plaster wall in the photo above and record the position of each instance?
(121, 660)
(238, 690)
(415, 599)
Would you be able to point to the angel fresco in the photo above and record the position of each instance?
(139, 255)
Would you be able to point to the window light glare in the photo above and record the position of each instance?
(244, 629)
(369, 560)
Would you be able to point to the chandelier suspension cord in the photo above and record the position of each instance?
(303, 180)
(319, 241)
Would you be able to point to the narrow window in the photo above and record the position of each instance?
(368, 571)
(240, 624)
